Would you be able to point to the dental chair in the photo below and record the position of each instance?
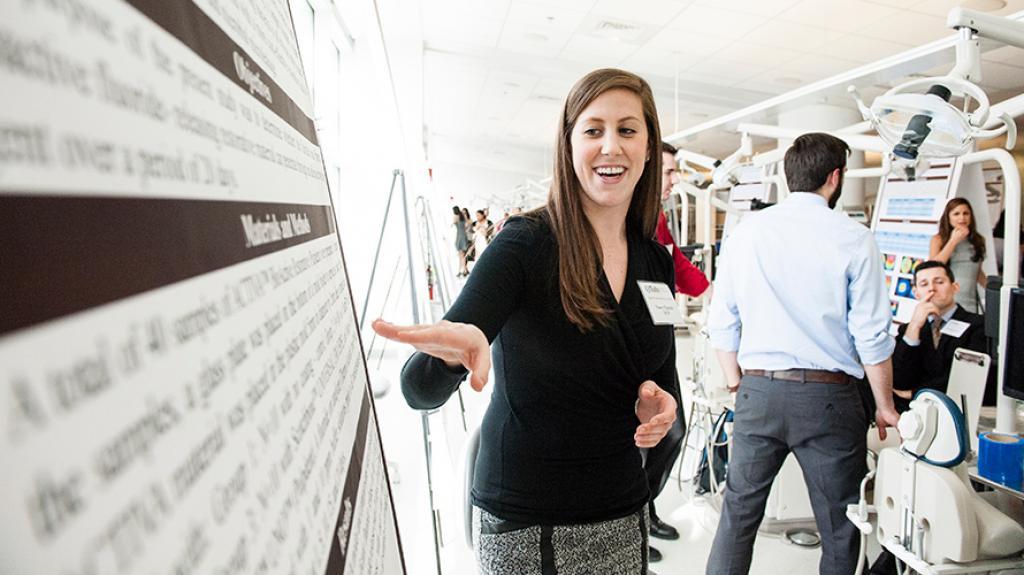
(925, 511)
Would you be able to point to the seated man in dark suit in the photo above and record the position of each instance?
(925, 345)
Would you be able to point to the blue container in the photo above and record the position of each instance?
(1001, 458)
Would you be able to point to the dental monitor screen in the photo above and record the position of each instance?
(1013, 385)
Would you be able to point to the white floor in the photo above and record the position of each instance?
(696, 519)
(402, 435)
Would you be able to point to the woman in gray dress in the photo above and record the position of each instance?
(461, 240)
(959, 244)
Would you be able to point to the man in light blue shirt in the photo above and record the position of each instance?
(800, 312)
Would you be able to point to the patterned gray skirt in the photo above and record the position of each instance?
(615, 547)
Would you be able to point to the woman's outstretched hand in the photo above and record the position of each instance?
(454, 343)
(656, 409)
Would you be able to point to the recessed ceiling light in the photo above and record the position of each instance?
(984, 5)
(789, 80)
(535, 36)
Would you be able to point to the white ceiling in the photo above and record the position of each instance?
(496, 71)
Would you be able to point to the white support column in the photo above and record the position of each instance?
(1006, 421)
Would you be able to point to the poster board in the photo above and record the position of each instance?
(182, 383)
(906, 216)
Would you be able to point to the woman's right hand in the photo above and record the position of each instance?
(959, 234)
(454, 343)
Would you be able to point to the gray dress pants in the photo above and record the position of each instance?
(825, 426)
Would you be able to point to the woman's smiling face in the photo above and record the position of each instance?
(609, 149)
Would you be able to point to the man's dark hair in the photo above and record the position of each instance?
(668, 148)
(929, 264)
(810, 160)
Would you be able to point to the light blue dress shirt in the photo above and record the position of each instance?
(801, 286)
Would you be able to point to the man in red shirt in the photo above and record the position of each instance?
(690, 281)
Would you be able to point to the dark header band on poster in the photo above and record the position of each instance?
(193, 28)
(70, 255)
(341, 535)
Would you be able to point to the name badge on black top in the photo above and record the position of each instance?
(660, 303)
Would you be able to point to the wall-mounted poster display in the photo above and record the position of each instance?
(906, 218)
(181, 377)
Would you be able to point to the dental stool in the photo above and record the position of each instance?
(926, 512)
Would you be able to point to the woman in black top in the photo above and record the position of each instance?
(583, 376)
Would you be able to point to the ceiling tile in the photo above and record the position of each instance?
(477, 31)
(769, 82)
(895, 3)
(716, 22)
(503, 86)
(1001, 76)
(651, 60)
(724, 69)
(758, 7)
(764, 56)
(578, 5)
(861, 49)
(553, 88)
(658, 12)
(843, 16)
(671, 41)
(456, 9)
(789, 35)
(942, 7)
(908, 28)
(816, 67)
(600, 52)
(544, 17)
(702, 80)
(1007, 55)
(619, 30)
(526, 39)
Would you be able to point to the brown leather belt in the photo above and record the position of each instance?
(803, 375)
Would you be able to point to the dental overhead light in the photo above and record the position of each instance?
(926, 124)
(918, 128)
(917, 119)
(723, 175)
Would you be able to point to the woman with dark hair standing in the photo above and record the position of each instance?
(470, 236)
(481, 232)
(461, 240)
(959, 244)
(584, 377)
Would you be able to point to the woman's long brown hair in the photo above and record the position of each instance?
(579, 253)
(945, 229)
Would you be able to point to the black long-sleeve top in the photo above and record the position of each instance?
(556, 443)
